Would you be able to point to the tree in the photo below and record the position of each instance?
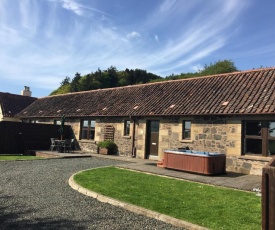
(123, 78)
(75, 85)
(225, 66)
(65, 81)
(85, 83)
(112, 78)
(61, 90)
(219, 67)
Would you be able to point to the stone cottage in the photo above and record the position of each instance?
(231, 113)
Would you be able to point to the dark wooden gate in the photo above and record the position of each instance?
(18, 138)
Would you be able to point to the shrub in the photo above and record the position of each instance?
(110, 145)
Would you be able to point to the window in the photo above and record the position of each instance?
(57, 122)
(253, 137)
(88, 130)
(271, 138)
(186, 130)
(127, 128)
(259, 137)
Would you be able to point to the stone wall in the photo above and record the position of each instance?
(217, 134)
(140, 138)
(212, 134)
(83, 145)
(124, 143)
(246, 165)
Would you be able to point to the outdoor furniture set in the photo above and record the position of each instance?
(66, 145)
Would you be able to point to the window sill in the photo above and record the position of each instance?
(186, 141)
(87, 141)
(256, 158)
(127, 137)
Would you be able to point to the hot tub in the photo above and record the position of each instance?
(195, 161)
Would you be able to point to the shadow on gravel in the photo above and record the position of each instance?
(12, 219)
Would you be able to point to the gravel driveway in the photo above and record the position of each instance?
(36, 195)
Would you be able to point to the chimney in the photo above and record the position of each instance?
(26, 92)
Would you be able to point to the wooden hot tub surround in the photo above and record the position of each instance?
(195, 161)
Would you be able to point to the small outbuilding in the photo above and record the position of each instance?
(11, 104)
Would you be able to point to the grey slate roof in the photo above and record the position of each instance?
(248, 92)
(12, 104)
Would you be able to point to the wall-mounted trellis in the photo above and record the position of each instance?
(109, 132)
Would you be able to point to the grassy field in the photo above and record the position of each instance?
(204, 205)
(18, 157)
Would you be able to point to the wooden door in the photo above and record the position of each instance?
(152, 144)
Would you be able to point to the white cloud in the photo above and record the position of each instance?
(77, 8)
(196, 39)
(188, 58)
(73, 6)
(29, 19)
(95, 10)
(156, 38)
(53, 47)
(197, 68)
(9, 36)
(167, 5)
(133, 34)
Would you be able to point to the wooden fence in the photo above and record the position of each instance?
(19, 138)
(268, 196)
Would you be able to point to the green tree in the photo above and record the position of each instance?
(123, 78)
(219, 67)
(61, 90)
(75, 85)
(112, 78)
(85, 82)
(65, 81)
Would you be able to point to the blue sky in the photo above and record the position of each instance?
(43, 41)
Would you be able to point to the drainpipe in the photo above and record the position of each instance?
(133, 138)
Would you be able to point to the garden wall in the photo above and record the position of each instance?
(18, 138)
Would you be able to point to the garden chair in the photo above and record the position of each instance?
(66, 145)
(54, 145)
(72, 145)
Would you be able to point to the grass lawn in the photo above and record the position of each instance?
(18, 157)
(204, 205)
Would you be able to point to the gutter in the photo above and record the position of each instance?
(133, 137)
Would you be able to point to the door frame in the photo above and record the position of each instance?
(148, 139)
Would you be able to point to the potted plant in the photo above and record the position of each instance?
(107, 147)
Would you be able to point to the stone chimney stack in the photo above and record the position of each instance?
(26, 92)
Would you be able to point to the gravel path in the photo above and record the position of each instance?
(36, 195)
